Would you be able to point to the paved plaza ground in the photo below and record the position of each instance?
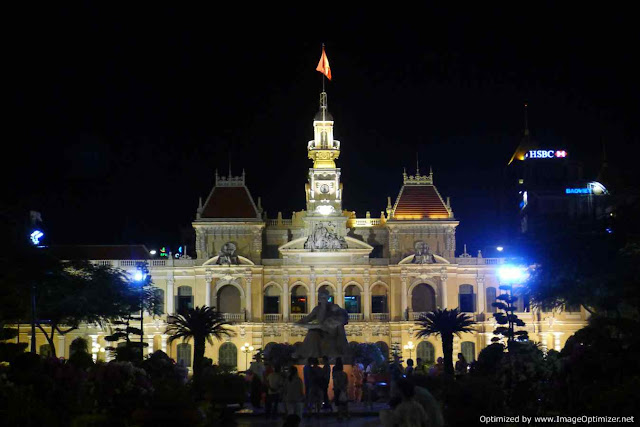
(360, 415)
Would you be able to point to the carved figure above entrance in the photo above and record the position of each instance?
(324, 238)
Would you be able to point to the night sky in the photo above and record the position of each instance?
(120, 116)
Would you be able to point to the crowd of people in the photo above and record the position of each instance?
(287, 392)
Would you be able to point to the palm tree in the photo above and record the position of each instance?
(445, 323)
(200, 323)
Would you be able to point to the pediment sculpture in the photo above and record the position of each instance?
(323, 237)
(423, 254)
(228, 255)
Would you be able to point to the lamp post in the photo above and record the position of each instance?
(35, 237)
(246, 349)
(409, 346)
(510, 275)
(140, 277)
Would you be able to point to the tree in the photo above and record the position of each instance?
(506, 302)
(445, 323)
(201, 324)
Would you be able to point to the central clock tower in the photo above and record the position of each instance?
(324, 189)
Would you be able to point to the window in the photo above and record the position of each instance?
(271, 300)
(426, 352)
(229, 299)
(298, 299)
(160, 298)
(379, 299)
(185, 299)
(491, 298)
(466, 299)
(228, 355)
(352, 299)
(468, 350)
(423, 298)
(184, 354)
(522, 300)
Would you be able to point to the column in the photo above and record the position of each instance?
(367, 296)
(163, 343)
(61, 346)
(285, 299)
(404, 306)
(488, 336)
(313, 297)
(481, 297)
(443, 284)
(544, 341)
(149, 339)
(556, 341)
(169, 295)
(339, 291)
(247, 305)
(208, 278)
(95, 347)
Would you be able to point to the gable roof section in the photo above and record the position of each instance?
(230, 198)
(420, 202)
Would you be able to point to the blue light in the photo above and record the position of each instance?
(35, 236)
(139, 276)
(512, 274)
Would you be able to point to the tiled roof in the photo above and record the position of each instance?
(416, 202)
(96, 252)
(230, 202)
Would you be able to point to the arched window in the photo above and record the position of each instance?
(329, 290)
(229, 299)
(272, 300)
(379, 299)
(298, 299)
(184, 354)
(352, 299)
(426, 352)
(160, 299)
(491, 298)
(384, 349)
(466, 299)
(423, 298)
(468, 350)
(45, 350)
(185, 299)
(228, 355)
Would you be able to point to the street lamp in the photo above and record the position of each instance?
(510, 275)
(140, 277)
(246, 349)
(409, 346)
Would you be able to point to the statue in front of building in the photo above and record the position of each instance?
(326, 335)
(228, 255)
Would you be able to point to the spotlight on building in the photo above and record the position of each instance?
(512, 274)
(35, 236)
(153, 252)
(499, 248)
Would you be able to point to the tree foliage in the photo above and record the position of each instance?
(200, 324)
(445, 323)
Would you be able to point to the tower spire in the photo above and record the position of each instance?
(526, 120)
(417, 165)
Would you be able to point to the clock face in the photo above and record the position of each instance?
(324, 188)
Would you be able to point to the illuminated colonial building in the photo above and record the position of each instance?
(265, 274)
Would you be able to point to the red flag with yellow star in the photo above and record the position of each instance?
(323, 65)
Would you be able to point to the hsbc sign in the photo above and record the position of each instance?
(545, 154)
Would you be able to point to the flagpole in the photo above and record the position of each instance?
(323, 73)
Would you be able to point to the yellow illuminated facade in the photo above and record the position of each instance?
(265, 273)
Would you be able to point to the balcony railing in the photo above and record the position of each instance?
(355, 317)
(272, 318)
(415, 315)
(380, 317)
(233, 317)
(294, 317)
